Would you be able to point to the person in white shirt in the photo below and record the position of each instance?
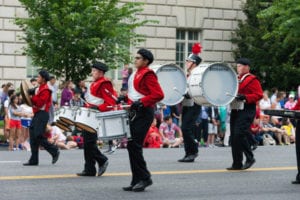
(57, 137)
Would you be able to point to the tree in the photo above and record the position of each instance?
(273, 59)
(66, 36)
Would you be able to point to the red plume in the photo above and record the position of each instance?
(196, 49)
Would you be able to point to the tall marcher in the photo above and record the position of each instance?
(243, 111)
(190, 112)
(41, 102)
(144, 92)
(99, 96)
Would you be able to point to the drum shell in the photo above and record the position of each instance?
(86, 119)
(113, 124)
(213, 84)
(172, 80)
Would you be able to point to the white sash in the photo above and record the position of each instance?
(92, 99)
(132, 93)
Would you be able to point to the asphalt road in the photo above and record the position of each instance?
(206, 178)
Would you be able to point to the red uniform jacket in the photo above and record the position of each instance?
(42, 100)
(251, 88)
(103, 89)
(145, 82)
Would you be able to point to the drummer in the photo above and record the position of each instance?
(100, 96)
(190, 111)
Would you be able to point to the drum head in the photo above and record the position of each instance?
(24, 92)
(219, 84)
(85, 127)
(172, 81)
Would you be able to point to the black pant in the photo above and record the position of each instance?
(298, 147)
(189, 117)
(37, 138)
(92, 154)
(139, 126)
(240, 121)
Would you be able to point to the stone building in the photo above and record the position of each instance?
(181, 24)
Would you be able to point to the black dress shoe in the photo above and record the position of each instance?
(234, 168)
(141, 185)
(102, 168)
(84, 173)
(30, 164)
(129, 188)
(296, 181)
(55, 158)
(189, 158)
(248, 164)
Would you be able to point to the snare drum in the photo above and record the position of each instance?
(113, 124)
(172, 81)
(67, 114)
(86, 119)
(213, 84)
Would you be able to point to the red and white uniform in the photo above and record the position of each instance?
(143, 85)
(100, 94)
(42, 100)
(250, 87)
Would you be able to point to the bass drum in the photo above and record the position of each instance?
(172, 81)
(213, 84)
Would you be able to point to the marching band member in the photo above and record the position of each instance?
(41, 102)
(297, 181)
(100, 95)
(242, 115)
(144, 92)
(190, 111)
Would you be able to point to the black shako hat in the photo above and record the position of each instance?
(146, 54)
(100, 66)
(194, 58)
(243, 61)
(44, 74)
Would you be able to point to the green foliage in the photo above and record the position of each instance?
(66, 36)
(269, 38)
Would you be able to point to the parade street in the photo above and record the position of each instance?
(206, 178)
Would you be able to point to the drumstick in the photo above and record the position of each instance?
(122, 106)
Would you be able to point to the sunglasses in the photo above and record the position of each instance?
(138, 57)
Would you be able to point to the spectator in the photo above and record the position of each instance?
(77, 100)
(272, 130)
(6, 113)
(80, 86)
(54, 89)
(25, 123)
(291, 102)
(15, 113)
(34, 82)
(125, 76)
(289, 129)
(276, 105)
(265, 102)
(213, 123)
(75, 141)
(153, 138)
(168, 131)
(67, 94)
(175, 114)
(274, 94)
(56, 137)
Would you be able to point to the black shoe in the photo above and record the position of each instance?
(55, 158)
(234, 168)
(248, 164)
(189, 158)
(129, 188)
(254, 147)
(30, 164)
(141, 185)
(296, 181)
(84, 173)
(102, 168)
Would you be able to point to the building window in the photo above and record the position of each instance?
(185, 39)
(32, 71)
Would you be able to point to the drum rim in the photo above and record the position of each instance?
(83, 127)
(62, 126)
(66, 120)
